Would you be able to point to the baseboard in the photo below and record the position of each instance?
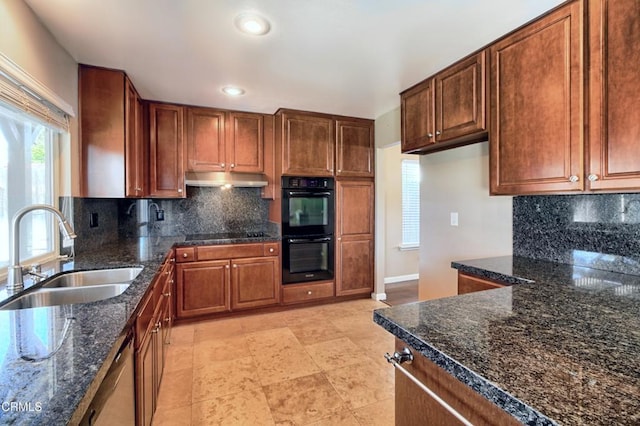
(401, 278)
(379, 296)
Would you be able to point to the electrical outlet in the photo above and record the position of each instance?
(159, 215)
(454, 218)
(93, 220)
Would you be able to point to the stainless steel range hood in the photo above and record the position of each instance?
(219, 179)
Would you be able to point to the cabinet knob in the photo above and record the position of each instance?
(222, 165)
(166, 294)
(226, 266)
(430, 135)
(438, 132)
(232, 165)
(180, 190)
(309, 292)
(592, 178)
(235, 266)
(185, 255)
(573, 178)
(138, 189)
(271, 250)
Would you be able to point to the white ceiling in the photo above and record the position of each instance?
(349, 57)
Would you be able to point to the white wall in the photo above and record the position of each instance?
(457, 180)
(25, 41)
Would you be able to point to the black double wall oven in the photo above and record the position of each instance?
(308, 214)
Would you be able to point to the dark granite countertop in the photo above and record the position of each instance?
(58, 389)
(560, 346)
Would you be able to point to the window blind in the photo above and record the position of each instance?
(22, 93)
(410, 203)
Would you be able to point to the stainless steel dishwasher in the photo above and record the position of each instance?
(115, 400)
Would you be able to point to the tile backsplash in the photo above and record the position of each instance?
(600, 231)
(205, 210)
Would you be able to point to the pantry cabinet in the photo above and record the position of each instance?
(447, 109)
(537, 101)
(614, 95)
(166, 141)
(110, 123)
(224, 278)
(354, 237)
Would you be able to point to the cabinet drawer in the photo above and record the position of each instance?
(229, 251)
(297, 293)
(271, 249)
(470, 284)
(185, 254)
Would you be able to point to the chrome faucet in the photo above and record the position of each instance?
(15, 282)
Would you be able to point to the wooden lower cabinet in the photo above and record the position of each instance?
(300, 293)
(234, 277)
(470, 284)
(413, 406)
(203, 288)
(354, 266)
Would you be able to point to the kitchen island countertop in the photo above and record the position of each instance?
(559, 346)
(57, 388)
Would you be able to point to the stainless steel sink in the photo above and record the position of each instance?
(64, 296)
(95, 277)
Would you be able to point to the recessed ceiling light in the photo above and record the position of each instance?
(251, 23)
(232, 91)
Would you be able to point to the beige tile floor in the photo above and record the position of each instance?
(322, 365)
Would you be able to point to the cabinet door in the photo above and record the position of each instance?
(354, 245)
(460, 99)
(255, 282)
(205, 140)
(355, 148)
(245, 142)
(135, 158)
(536, 106)
(614, 127)
(417, 117)
(354, 266)
(166, 150)
(145, 381)
(203, 288)
(307, 145)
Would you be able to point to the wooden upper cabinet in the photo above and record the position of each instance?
(447, 109)
(614, 95)
(460, 99)
(223, 141)
(417, 117)
(166, 140)
(355, 148)
(205, 140)
(112, 158)
(306, 144)
(245, 142)
(536, 106)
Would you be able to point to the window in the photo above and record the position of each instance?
(410, 204)
(26, 177)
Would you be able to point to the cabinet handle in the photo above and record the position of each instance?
(438, 132)
(592, 177)
(405, 356)
(573, 178)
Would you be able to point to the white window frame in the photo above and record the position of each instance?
(410, 228)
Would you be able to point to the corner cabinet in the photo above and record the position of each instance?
(224, 278)
(614, 95)
(166, 142)
(447, 109)
(537, 98)
(354, 237)
(110, 122)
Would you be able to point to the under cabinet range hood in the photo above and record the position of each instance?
(225, 179)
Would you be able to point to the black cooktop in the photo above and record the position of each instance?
(224, 236)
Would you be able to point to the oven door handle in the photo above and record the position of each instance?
(308, 194)
(308, 240)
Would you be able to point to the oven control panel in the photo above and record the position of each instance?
(307, 182)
